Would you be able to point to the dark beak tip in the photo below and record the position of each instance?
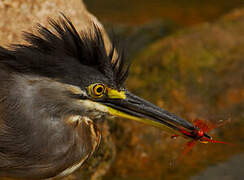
(207, 136)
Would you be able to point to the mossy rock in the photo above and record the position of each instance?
(195, 73)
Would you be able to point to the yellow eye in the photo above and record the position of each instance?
(97, 90)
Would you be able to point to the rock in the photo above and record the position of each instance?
(23, 15)
(229, 170)
(196, 73)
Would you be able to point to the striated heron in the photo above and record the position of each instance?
(52, 92)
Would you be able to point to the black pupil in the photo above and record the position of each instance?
(99, 90)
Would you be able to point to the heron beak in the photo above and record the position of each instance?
(126, 105)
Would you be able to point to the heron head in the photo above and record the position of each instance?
(97, 77)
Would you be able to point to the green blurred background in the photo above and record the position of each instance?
(187, 58)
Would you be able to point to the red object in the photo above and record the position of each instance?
(199, 135)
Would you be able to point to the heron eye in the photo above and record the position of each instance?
(97, 90)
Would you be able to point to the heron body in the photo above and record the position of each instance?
(53, 91)
(40, 138)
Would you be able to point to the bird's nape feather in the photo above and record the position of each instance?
(49, 53)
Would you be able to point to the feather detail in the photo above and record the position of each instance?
(51, 52)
